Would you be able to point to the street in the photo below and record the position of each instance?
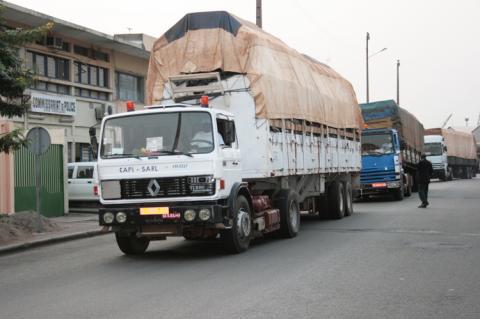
(389, 260)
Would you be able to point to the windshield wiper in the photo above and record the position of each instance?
(121, 156)
(174, 153)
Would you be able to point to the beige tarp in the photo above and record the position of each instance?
(284, 83)
(459, 144)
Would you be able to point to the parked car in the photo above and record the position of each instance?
(82, 184)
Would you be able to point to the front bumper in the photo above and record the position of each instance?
(379, 187)
(175, 215)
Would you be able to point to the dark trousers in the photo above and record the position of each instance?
(423, 193)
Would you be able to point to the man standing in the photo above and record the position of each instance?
(425, 170)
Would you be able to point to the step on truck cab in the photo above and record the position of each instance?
(392, 144)
(222, 152)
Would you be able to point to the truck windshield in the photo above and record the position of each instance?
(157, 134)
(433, 149)
(377, 144)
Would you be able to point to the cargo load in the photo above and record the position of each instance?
(285, 84)
(459, 144)
(387, 114)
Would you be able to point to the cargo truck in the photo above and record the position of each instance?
(242, 135)
(392, 144)
(453, 153)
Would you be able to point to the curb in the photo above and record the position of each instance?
(53, 240)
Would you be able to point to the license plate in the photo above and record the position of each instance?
(144, 211)
(376, 185)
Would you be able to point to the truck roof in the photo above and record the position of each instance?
(175, 107)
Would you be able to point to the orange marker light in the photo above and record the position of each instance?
(222, 184)
(130, 106)
(204, 101)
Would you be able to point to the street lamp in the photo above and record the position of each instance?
(398, 82)
(367, 57)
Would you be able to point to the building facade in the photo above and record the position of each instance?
(80, 76)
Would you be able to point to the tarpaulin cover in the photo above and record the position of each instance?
(284, 83)
(387, 114)
(459, 144)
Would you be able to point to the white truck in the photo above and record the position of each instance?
(202, 162)
(451, 152)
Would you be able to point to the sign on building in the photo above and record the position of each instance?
(53, 104)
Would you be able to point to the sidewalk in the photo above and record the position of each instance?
(71, 226)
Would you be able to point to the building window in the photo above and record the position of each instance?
(51, 87)
(77, 49)
(90, 74)
(49, 66)
(54, 42)
(129, 87)
(83, 152)
(91, 94)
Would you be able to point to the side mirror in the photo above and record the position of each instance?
(229, 137)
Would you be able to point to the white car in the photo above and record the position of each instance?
(82, 184)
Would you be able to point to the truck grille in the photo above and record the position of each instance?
(167, 187)
(374, 175)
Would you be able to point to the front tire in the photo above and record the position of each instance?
(287, 203)
(129, 244)
(399, 193)
(237, 239)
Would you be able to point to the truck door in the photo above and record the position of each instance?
(229, 150)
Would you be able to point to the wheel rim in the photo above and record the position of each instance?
(293, 212)
(244, 224)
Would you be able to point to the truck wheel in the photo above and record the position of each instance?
(398, 194)
(348, 199)
(237, 239)
(131, 244)
(322, 204)
(336, 203)
(287, 203)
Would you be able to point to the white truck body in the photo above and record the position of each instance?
(436, 153)
(297, 156)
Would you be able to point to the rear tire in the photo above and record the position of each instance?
(286, 202)
(336, 204)
(237, 239)
(348, 199)
(131, 244)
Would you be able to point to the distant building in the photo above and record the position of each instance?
(81, 75)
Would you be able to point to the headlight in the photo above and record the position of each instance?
(111, 190)
(189, 215)
(204, 214)
(108, 218)
(121, 217)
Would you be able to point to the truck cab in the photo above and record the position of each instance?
(382, 170)
(436, 152)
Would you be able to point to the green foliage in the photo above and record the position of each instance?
(14, 78)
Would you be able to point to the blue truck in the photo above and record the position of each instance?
(392, 143)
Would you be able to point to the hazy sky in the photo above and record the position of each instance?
(437, 41)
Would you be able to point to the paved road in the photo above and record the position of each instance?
(389, 260)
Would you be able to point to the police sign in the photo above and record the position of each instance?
(53, 104)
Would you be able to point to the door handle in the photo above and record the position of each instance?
(89, 182)
(234, 163)
(69, 182)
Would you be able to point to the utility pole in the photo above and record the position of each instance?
(398, 82)
(259, 13)
(366, 58)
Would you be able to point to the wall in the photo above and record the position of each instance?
(6, 175)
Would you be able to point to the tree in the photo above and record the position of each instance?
(14, 78)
